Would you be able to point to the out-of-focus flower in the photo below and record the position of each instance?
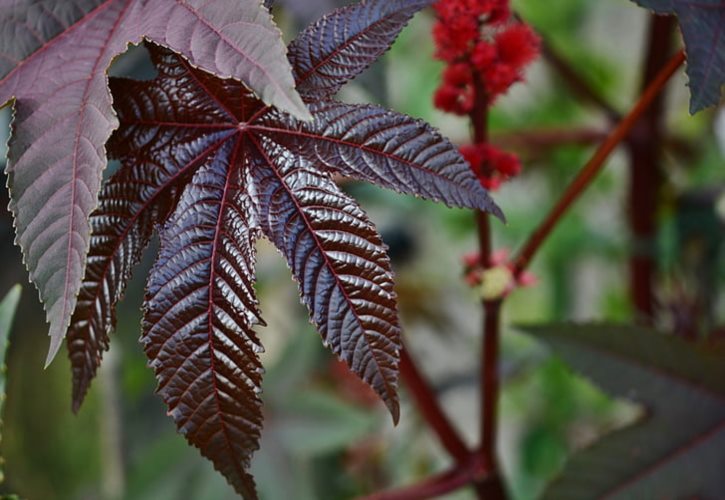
(496, 279)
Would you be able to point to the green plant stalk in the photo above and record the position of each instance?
(8, 307)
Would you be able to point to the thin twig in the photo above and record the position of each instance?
(430, 487)
(539, 141)
(575, 81)
(543, 139)
(595, 165)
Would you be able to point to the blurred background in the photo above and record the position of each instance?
(325, 437)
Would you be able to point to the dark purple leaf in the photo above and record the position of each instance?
(702, 24)
(53, 62)
(339, 261)
(131, 203)
(258, 171)
(383, 147)
(199, 312)
(341, 45)
(676, 449)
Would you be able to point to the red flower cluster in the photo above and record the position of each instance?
(478, 37)
(481, 44)
(491, 165)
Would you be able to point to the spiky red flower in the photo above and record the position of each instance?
(478, 38)
(517, 45)
(456, 94)
(481, 34)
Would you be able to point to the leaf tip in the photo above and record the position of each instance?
(13, 296)
(55, 343)
(297, 108)
(79, 391)
(394, 408)
(492, 208)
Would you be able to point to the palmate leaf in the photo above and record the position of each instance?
(702, 23)
(199, 312)
(160, 148)
(53, 63)
(256, 171)
(676, 451)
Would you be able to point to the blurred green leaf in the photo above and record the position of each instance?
(314, 423)
(161, 470)
(298, 360)
(676, 450)
(7, 313)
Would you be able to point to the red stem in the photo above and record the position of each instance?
(543, 139)
(470, 473)
(427, 404)
(492, 488)
(483, 224)
(595, 165)
(539, 141)
(430, 487)
(646, 176)
(490, 382)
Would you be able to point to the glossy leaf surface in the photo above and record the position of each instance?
(131, 203)
(199, 312)
(676, 450)
(54, 59)
(702, 23)
(374, 144)
(256, 171)
(341, 45)
(339, 261)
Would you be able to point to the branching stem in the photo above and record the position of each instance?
(492, 489)
(430, 487)
(480, 468)
(575, 82)
(595, 165)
